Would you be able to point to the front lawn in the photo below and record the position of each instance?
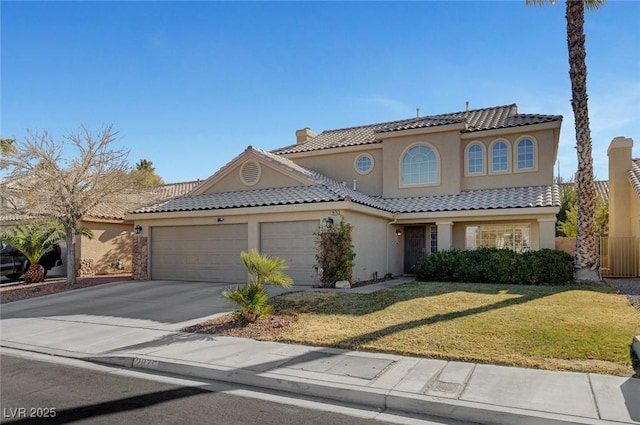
(587, 328)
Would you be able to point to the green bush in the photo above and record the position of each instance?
(335, 253)
(491, 265)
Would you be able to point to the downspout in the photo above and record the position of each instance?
(395, 220)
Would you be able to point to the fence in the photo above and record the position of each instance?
(619, 257)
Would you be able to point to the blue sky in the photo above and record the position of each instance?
(189, 85)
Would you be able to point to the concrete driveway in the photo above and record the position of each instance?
(147, 304)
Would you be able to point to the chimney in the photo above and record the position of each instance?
(304, 135)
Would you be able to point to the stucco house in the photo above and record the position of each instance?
(411, 187)
(109, 251)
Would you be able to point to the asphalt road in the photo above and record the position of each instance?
(41, 392)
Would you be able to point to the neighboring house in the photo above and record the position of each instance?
(109, 251)
(624, 210)
(460, 180)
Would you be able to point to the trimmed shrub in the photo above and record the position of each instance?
(491, 265)
(335, 252)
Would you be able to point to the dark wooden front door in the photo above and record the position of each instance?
(414, 247)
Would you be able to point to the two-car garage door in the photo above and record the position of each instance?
(205, 253)
(211, 253)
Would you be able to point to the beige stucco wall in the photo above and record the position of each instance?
(111, 242)
(269, 178)
(374, 242)
(621, 195)
(446, 145)
(541, 175)
(341, 167)
(373, 239)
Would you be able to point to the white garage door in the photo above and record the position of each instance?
(201, 253)
(293, 241)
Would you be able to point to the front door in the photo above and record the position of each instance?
(414, 247)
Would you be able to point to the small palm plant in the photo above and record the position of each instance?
(253, 301)
(33, 239)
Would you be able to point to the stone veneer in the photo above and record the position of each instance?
(140, 268)
(86, 268)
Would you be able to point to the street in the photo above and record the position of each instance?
(42, 392)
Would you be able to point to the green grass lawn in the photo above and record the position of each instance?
(587, 328)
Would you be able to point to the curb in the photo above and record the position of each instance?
(376, 398)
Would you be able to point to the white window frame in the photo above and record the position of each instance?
(497, 231)
(468, 172)
(516, 147)
(438, 163)
(358, 170)
(490, 157)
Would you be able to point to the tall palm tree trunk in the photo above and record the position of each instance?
(586, 261)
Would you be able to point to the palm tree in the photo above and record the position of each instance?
(265, 268)
(586, 260)
(33, 240)
(253, 301)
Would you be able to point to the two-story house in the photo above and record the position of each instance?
(459, 180)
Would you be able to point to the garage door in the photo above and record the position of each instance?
(201, 253)
(293, 241)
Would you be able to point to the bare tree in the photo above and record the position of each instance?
(64, 180)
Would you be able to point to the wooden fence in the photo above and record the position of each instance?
(619, 257)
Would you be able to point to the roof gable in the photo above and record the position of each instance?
(293, 174)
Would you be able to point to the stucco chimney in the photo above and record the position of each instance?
(620, 193)
(304, 135)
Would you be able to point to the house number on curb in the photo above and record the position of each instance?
(145, 363)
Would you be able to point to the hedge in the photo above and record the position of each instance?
(492, 265)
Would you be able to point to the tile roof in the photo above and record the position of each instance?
(476, 120)
(116, 210)
(170, 190)
(601, 187)
(634, 176)
(330, 191)
(319, 188)
(484, 199)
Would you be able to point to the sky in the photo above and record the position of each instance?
(189, 85)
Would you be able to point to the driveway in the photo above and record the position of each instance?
(150, 304)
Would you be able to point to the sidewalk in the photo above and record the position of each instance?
(478, 393)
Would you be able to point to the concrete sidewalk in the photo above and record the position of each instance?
(464, 391)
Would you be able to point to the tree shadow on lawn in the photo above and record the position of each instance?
(357, 304)
(363, 304)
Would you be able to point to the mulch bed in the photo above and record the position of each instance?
(21, 291)
(270, 328)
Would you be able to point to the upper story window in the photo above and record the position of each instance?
(419, 166)
(500, 156)
(526, 154)
(475, 159)
(364, 164)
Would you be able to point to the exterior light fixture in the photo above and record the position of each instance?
(398, 232)
(137, 229)
(220, 219)
(329, 222)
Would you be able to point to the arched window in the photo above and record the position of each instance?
(475, 159)
(526, 152)
(419, 166)
(499, 157)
